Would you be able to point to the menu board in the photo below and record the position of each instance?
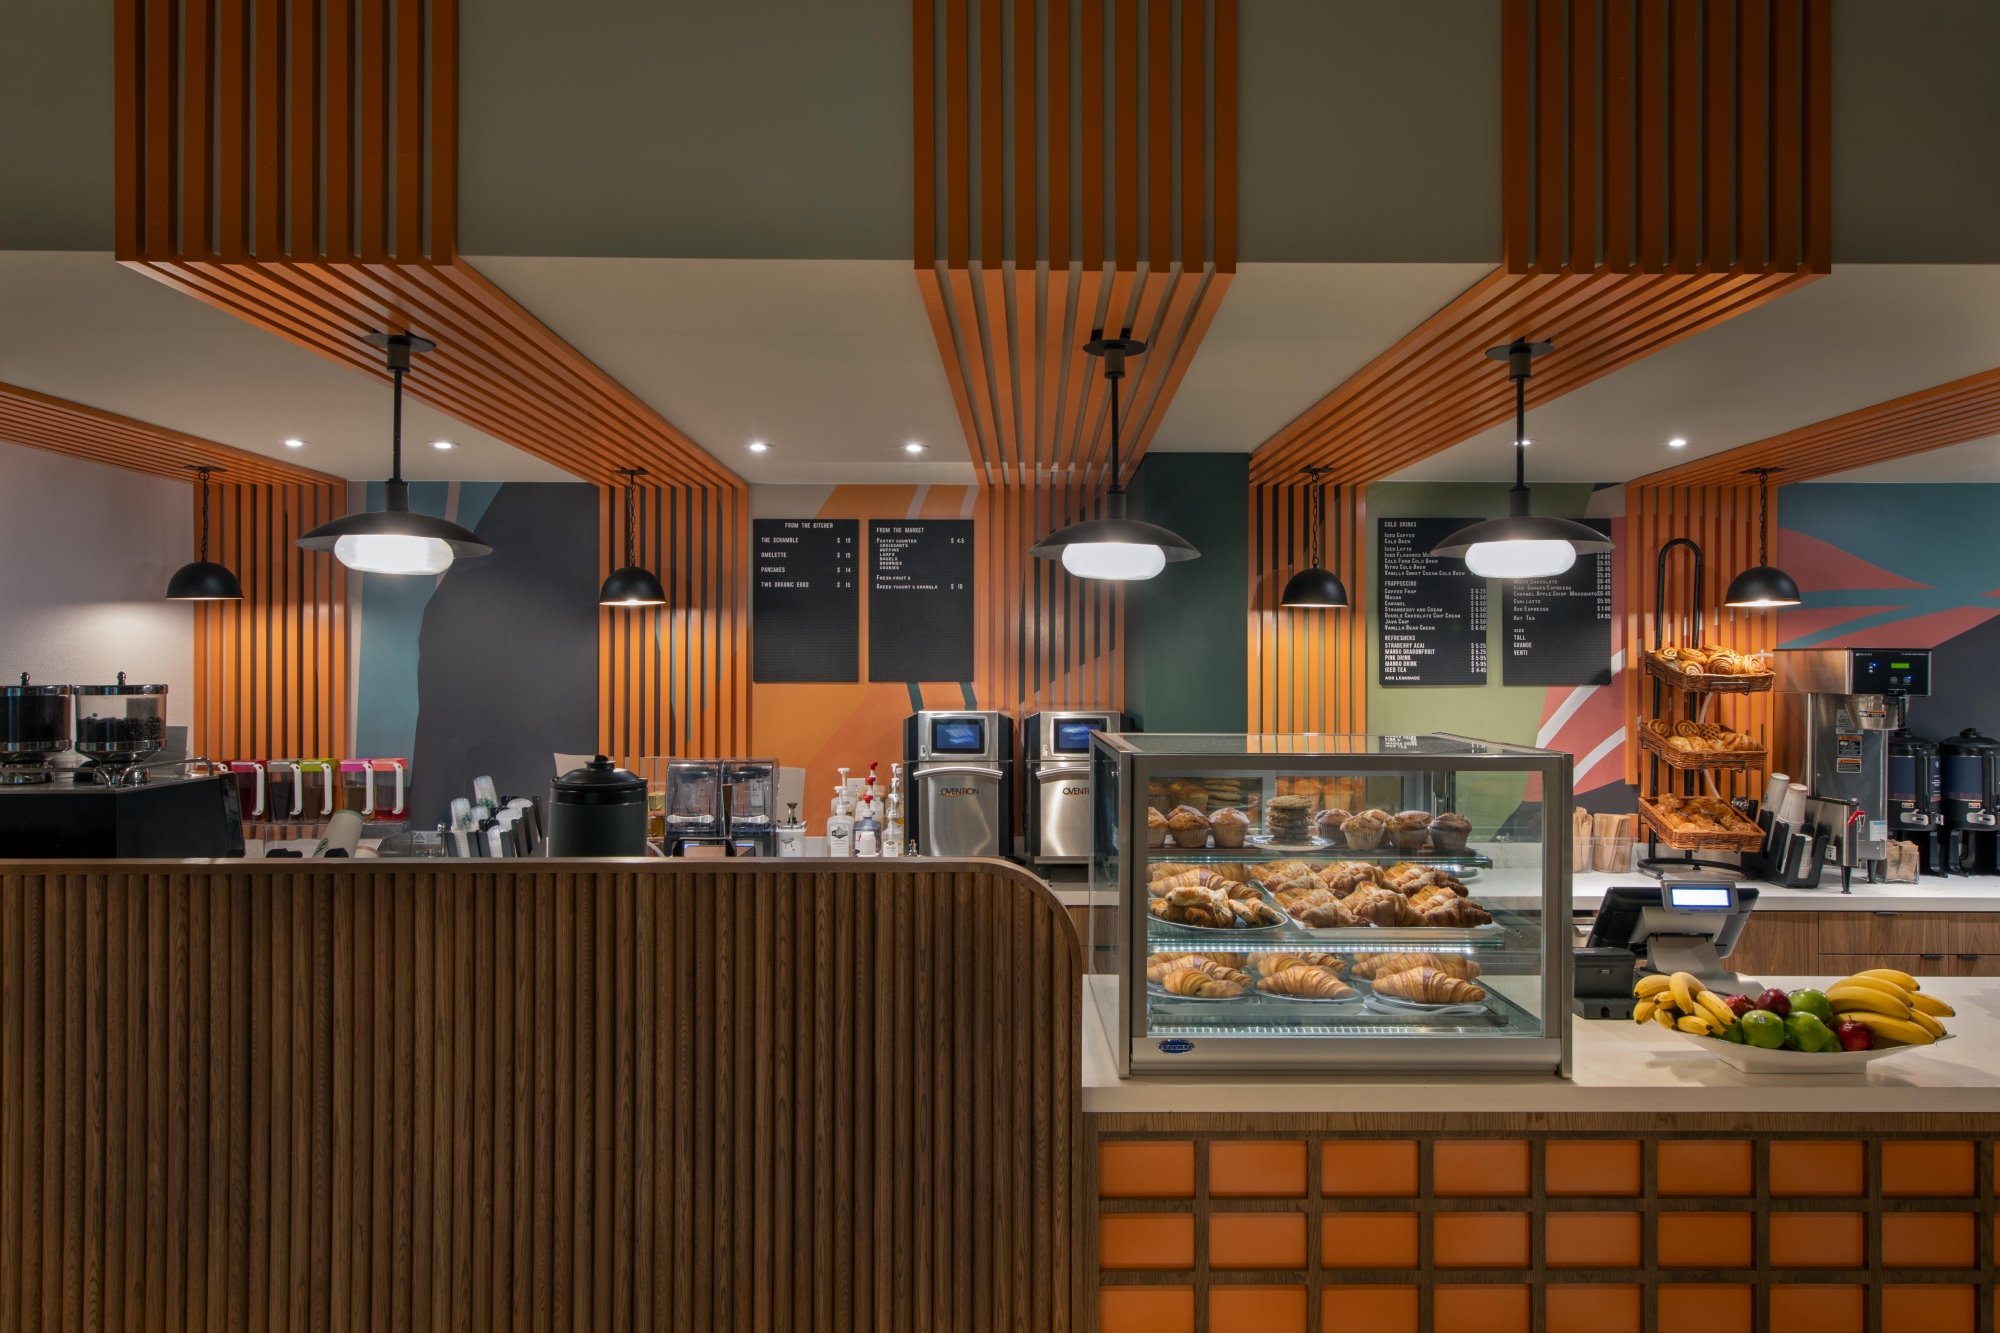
(805, 606)
(1433, 629)
(1559, 629)
(920, 615)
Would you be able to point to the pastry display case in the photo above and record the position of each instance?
(1316, 901)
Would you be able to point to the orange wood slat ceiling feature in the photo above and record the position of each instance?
(1308, 670)
(1043, 639)
(60, 426)
(296, 165)
(1041, 217)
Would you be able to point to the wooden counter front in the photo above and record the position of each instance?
(769, 1095)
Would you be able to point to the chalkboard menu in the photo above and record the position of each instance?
(1559, 629)
(920, 616)
(805, 607)
(1433, 629)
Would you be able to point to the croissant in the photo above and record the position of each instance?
(1309, 983)
(1271, 964)
(1255, 913)
(1241, 892)
(1427, 985)
(1385, 964)
(1194, 878)
(1159, 964)
(1269, 872)
(1334, 915)
(1190, 895)
(1384, 907)
(1197, 981)
(1456, 912)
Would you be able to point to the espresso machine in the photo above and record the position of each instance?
(1855, 699)
(961, 782)
(1056, 748)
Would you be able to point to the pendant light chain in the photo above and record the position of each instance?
(1521, 429)
(631, 475)
(204, 510)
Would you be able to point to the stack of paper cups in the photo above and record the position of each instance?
(1774, 792)
(1793, 810)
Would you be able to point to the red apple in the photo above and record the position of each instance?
(1739, 1004)
(1853, 1036)
(1776, 1001)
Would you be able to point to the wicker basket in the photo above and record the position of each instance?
(1705, 683)
(1684, 840)
(1695, 761)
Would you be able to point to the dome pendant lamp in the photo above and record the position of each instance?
(1315, 588)
(203, 580)
(395, 541)
(631, 584)
(1113, 547)
(1522, 545)
(1763, 584)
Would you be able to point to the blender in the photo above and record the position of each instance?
(124, 728)
(34, 724)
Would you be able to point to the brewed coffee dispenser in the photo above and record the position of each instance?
(34, 725)
(1969, 773)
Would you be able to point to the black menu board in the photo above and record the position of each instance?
(920, 616)
(805, 606)
(1433, 629)
(1559, 629)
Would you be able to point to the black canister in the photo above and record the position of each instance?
(1913, 782)
(597, 810)
(1969, 774)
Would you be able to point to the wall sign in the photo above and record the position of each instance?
(1559, 629)
(1433, 626)
(805, 603)
(920, 609)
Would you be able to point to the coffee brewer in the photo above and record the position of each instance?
(1916, 809)
(1969, 773)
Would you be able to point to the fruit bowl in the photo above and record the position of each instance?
(1758, 1060)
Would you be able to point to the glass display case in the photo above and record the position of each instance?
(1317, 901)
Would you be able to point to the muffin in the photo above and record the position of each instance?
(1289, 818)
(1229, 826)
(1188, 827)
(1327, 823)
(1363, 832)
(1187, 792)
(1410, 830)
(1156, 827)
(1449, 832)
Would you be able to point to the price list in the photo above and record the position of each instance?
(920, 611)
(805, 606)
(1433, 627)
(1559, 629)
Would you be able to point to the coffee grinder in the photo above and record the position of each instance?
(1855, 699)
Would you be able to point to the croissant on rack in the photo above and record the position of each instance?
(1383, 907)
(1190, 877)
(1271, 872)
(1271, 964)
(1387, 964)
(1216, 965)
(1201, 983)
(1335, 915)
(1307, 983)
(1427, 985)
(1455, 912)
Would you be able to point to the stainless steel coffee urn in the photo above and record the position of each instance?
(1056, 748)
(962, 782)
(597, 810)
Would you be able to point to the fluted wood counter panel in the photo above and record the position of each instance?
(558, 1096)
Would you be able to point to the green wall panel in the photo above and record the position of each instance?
(1185, 665)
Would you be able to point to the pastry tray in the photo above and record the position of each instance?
(1691, 761)
(1706, 683)
(1691, 840)
(1216, 935)
(1451, 861)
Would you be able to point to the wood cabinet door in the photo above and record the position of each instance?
(1974, 965)
(1877, 932)
(1834, 966)
(1778, 944)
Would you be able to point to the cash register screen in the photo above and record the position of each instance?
(1700, 897)
(958, 735)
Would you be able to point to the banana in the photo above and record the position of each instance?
(1899, 1030)
(1888, 988)
(1685, 986)
(1718, 1013)
(1664, 1015)
(1932, 1005)
(1927, 1023)
(1903, 979)
(1651, 985)
(1848, 995)
(1698, 1025)
(1643, 1010)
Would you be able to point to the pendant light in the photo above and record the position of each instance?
(1763, 584)
(395, 541)
(1315, 588)
(1522, 545)
(631, 584)
(1113, 547)
(203, 580)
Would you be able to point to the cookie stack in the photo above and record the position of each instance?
(1289, 818)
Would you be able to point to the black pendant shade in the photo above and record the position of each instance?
(1314, 588)
(393, 540)
(202, 579)
(1763, 584)
(631, 584)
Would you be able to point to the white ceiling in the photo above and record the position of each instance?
(830, 362)
(81, 326)
(1861, 335)
(1975, 460)
(1287, 335)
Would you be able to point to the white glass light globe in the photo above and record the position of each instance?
(1519, 559)
(387, 553)
(1124, 561)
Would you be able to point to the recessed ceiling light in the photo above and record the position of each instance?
(758, 447)
(1677, 443)
(295, 444)
(913, 448)
(443, 444)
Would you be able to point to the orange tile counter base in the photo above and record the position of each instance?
(1210, 1224)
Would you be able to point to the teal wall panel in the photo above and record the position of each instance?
(1185, 666)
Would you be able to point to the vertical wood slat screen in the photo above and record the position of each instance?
(675, 680)
(271, 671)
(1667, 135)
(1044, 638)
(1722, 520)
(1308, 669)
(367, 1098)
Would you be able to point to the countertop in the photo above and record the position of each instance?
(1621, 1067)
